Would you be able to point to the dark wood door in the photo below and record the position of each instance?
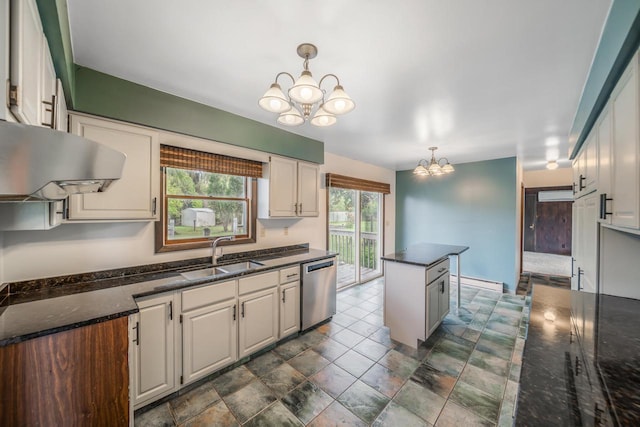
(547, 225)
(553, 228)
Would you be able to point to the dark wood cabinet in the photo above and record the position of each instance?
(78, 377)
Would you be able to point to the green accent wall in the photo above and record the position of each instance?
(104, 95)
(55, 23)
(475, 206)
(620, 40)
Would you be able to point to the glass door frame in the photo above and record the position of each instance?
(357, 279)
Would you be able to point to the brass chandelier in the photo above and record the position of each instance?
(433, 167)
(306, 98)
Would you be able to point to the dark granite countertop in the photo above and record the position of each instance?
(36, 308)
(425, 254)
(587, 377)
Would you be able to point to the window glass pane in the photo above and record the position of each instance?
(195, 219)
(197, 183)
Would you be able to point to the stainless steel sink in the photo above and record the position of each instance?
(223, 269)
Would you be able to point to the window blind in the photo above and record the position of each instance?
(185, 158)
(350, 183)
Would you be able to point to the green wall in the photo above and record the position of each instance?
(92, 92)
(475, 206)
(104, 95)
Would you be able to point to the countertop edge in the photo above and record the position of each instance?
(177, 284)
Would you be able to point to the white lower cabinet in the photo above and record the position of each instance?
(289, 309)
(153, 347)
(209, 339)
(258, 325)
(180, 337)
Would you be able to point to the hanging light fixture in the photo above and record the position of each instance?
(433, 167)
(306, 98)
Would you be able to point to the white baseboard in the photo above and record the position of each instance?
(477, 283)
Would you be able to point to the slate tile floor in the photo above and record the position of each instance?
(349, 372)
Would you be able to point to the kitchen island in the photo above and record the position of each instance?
(416, 296)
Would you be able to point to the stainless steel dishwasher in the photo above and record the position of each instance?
(318, 300)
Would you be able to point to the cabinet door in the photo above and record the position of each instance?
(444, 295)
(48, 88)
(591, 162)
(282, 187)
(153, 352)
(589, 243)
(26, 60)
(576, 231)
(62, 114)
(209, 339)
(308, 185)
(604, 160)
(135, 195)
(289, 309)
(258, 321)
(433, 307)
(624, 105)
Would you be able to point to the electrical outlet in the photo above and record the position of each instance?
(286, 231)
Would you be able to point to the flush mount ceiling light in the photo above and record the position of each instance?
(306, 97)
(433, 167)
(552, 164)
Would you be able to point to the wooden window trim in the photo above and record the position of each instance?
(185, 158)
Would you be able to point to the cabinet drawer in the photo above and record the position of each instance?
(258, 282)
(199, 297)
(290, 274)
(437, 270)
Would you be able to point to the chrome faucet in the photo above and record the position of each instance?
(214, 245)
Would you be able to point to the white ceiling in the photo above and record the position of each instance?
(480, 79)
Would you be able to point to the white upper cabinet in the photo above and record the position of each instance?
(604, 164)
(135, 196)
(308, 185)
(26, 62)
(625, 145)
(586, 167)
(289, 189)
(48, 89)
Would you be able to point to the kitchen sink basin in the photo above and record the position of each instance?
(223, 269)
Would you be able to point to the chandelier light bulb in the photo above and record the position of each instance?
(339, 102)
(322, 119)
(274, 100)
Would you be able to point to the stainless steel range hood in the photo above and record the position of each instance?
(39, 164)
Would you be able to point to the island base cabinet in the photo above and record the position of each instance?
(153, 346)
(209, 339)
(73, 378)
(404, 302)
(258, 321)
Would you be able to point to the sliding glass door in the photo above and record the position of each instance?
(355, 232)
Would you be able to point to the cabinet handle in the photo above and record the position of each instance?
(580, 273)
(442, 287)
(603, 206)
(582, 178)
(52, 110)
(442, 269)
(170, 310)
(154, 205)
(234, 311)
(572, 272)
(300, 208)
(242, 314)
(283, 296)
(295, 208)
(574, 189)
(137, 328)
(570, 337)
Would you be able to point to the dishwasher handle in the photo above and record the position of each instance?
(315, 267)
